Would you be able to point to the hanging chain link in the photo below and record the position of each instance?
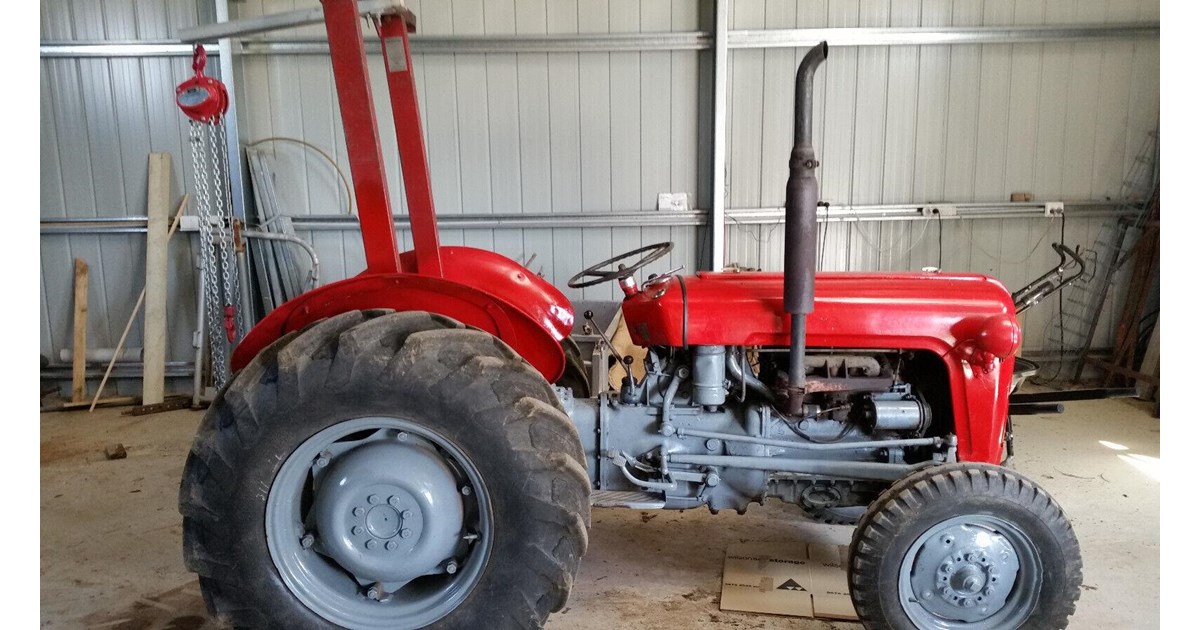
(211, 171)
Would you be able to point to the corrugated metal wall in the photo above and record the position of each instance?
(528, 133)
(99, 120)
(580, 132)
(916, 124)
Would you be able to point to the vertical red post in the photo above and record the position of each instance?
(353, 84)
(402, 92)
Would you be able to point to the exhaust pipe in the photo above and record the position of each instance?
(800, 226)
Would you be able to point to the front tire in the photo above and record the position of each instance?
(474, 499)
(965, 546)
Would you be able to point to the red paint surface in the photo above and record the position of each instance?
(402, 93)
(348, 55)
(967, 320)
(479, 288)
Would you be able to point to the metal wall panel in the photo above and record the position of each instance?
(916, 124)
(99, 120)
(510, 132)
(573, 132)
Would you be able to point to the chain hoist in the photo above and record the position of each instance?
(204, 100)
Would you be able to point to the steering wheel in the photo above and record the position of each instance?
(599, 272)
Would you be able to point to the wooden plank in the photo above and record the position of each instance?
(137, 307)
(1122, 370)
(114, 401)
(79, 345)
(1150, 365)
(155, 326)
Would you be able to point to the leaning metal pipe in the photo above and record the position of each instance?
(873, 471)
(315, 273)
(800, 225)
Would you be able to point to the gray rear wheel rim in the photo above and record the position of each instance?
(970, 573)
(335, 592)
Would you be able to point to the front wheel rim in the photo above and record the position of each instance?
(970, 572)
(379, 522)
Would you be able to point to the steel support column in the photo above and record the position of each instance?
(233, 152)
(720, 90)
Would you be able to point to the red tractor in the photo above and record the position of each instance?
(393, 452)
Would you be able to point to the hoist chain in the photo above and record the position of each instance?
(213, 196)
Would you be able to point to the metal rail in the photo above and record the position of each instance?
(649, 218)
(276, 21)
(875, 471)
(620, 42)
(810, 446)
(927, 36)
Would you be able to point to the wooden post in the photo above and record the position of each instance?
(155, 331)
(79, 343)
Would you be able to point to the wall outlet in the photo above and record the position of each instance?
(940, 210)
(674, 202)
(1054, 208)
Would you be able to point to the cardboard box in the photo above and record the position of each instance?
(803, 580)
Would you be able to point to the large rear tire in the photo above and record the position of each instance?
(386, 470)
(967, 547)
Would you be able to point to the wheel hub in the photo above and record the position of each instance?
(964, 572)
(389, 511)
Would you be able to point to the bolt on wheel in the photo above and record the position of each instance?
(367, 523)
(970, 571)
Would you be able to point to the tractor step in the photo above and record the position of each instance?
(628, 499)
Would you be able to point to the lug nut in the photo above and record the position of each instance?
(323, 459)
(371, 544)
(356, 530)
(375, 593)
(394, 501)
(374, 499)
(406, 533)
(406, 514)
(466, 490)
(390, 545)
(402, 436)
(945, 568)
(452, 567)
(987, 592)
(307, 541)
(359, 511)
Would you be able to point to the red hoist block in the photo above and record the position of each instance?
(202, 98)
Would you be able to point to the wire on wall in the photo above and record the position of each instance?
(328, 158)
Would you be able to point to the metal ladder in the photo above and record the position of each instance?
(1073, 333)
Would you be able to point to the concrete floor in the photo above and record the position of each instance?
(111, 555)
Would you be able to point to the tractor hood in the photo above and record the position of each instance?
(930, 311)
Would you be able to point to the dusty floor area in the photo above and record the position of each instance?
(110, 552)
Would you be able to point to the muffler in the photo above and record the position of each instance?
(800, 225)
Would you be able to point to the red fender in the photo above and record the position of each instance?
(480, 288)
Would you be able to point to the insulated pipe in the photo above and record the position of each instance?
(800, 225)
